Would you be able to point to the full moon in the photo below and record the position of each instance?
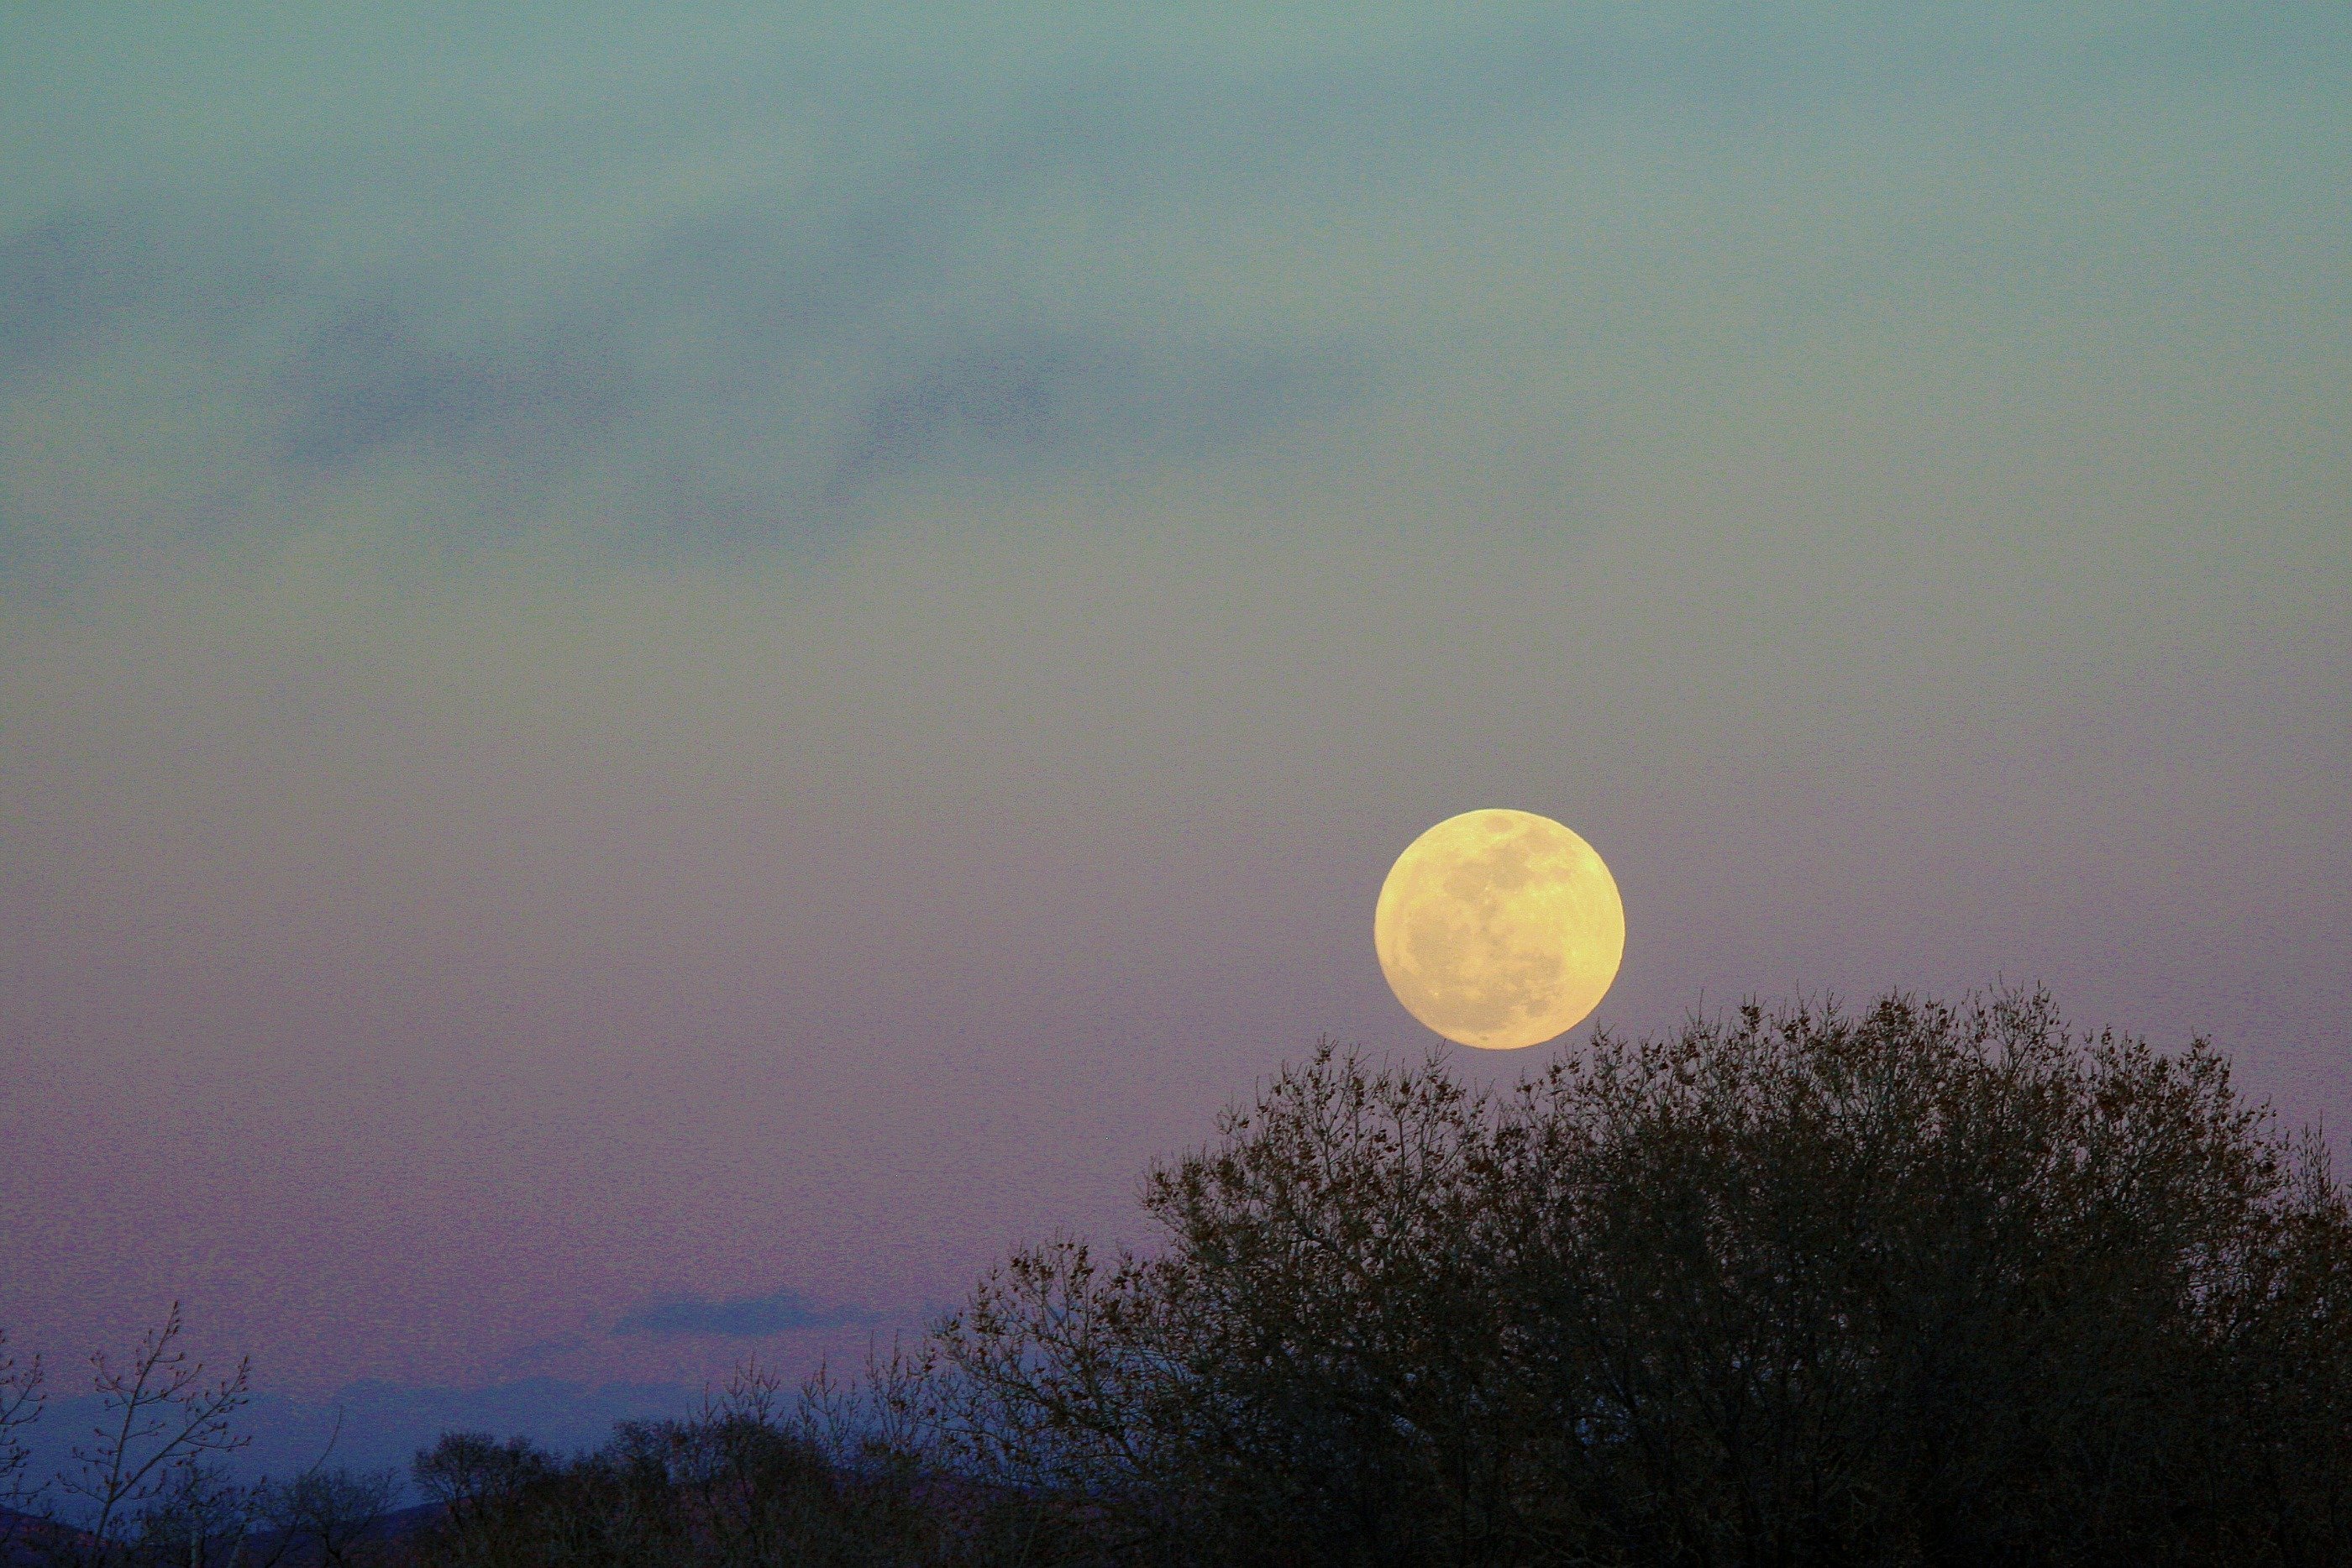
(1499, 929)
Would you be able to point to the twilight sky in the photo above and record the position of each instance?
(663, 677)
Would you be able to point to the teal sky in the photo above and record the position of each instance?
(658, 660)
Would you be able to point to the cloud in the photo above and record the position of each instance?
(369, 379)
(1070, 398)
(756, 312)
(62, 277)
(900, 284)
(736, 1317)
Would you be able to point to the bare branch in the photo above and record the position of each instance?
(162, 1420)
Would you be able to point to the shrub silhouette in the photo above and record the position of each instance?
(752, 1480)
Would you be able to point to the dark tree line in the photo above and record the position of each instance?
(1925, 1285)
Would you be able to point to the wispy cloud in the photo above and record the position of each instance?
(60, 278)
(368, 381)
(761, 313)
(926, 287)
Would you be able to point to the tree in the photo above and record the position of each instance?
(326, 1517)
(162, 1422)
(1926, 1285)
(202, 1518)
(20, 1406)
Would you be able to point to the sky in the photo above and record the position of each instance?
(667, 674)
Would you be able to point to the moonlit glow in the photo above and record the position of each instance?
(1499, 929)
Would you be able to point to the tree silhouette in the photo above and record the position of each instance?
(1926, 1285)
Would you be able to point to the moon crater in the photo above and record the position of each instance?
(1499, 929)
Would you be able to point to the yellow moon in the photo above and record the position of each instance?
(1499, 929)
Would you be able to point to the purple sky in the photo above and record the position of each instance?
(657, 691)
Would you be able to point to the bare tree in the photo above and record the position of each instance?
(20, 1406)
(162, 1422)
(327, 1517)
(152, 1487)
(203, 1519)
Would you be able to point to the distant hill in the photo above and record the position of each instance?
(28, 1540)
(375, 1424)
